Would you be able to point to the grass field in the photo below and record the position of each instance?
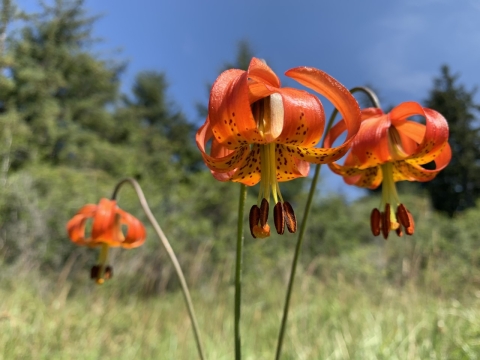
(327, 321)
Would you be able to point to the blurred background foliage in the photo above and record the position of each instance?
(68, 134)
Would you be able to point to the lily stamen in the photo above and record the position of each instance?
(389, 220)
(283, 211)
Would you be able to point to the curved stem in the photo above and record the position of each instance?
(171, 254)
(374, 99)
(369, 92)
(238, 271)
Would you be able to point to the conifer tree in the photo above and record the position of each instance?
(62, 91)
(166, 133)
(457, 187)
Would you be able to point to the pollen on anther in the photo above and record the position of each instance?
(279, 218)
(290, 219)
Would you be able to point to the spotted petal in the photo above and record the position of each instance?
(341, 98)
(222, 159)
(304, 118)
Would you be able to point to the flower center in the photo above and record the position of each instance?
(283, 213)
(390, 219)
(395, 144)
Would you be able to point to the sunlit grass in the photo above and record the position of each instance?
(334, 321)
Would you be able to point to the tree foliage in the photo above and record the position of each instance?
(457, 187)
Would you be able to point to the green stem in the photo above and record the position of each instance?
(373, 98)
(171, 254)
(238, 271)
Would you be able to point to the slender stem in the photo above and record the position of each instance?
(369, 92)
(238, 271)
(171, 254)
(374, 99)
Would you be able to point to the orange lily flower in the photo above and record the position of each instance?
(390, 148)
(107, 222)
(260, 132)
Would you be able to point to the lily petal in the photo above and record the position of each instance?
(259, 71)
(435, 139)
(104, 219)
(76, 228)
(216, 162)
(306, 118)
(370, 146)
(136, 233)
(412, 172)
(337, 94)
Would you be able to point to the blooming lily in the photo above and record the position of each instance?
(106, 231)
(260, 132)
(390, 148)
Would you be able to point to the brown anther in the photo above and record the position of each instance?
(402, 216)
(411, 229)
(386, 222)
(375, 222)
(108, 273)
(264, 208)
(279, 218)
(290, 219)
(94, 271)
(399, 231)
(254, 218)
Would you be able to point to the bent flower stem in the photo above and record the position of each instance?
(171, 254)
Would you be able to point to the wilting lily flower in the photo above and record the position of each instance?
(107, 230)
(260, 132)
(390, 148)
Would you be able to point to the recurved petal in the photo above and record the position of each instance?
(304, 118)
(319, 155)
(229, 110)
(411, 134)
(404, 111)
(76, 229)
(412, 130)
(435, 133)
(259, 71)
(404, 170)
(222, 159)
(88, 210)
(334, 91)
(104, 219)
(136, 233)
(369, 178)
(370, 146)
(441, 158)
(435, 138)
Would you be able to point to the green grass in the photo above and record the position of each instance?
(327, 321)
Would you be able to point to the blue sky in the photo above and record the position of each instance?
(395, 46)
